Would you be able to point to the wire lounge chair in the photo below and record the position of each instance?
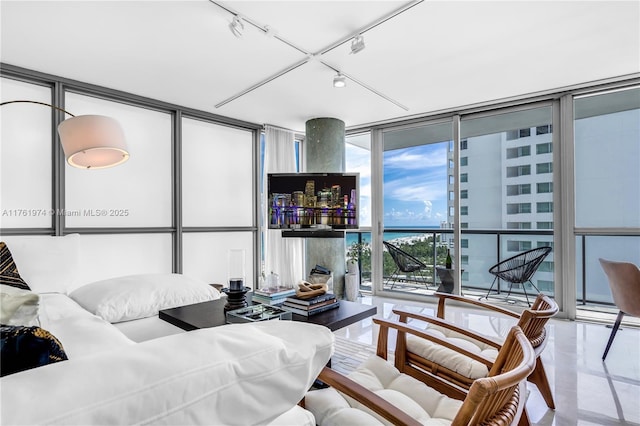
(519, 269)
(405, 263)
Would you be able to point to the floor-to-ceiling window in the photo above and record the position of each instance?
(607, 187)
(499, 183)
(417, 193)
(506, 194)
(133, 195)
(217, 194)
(186, 195)
(26, 129)
(358, 160)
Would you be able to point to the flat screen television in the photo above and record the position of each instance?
(313, 200)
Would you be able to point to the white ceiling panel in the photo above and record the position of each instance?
(435, 55)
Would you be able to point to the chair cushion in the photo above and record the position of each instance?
(449, 358)
(410, 395)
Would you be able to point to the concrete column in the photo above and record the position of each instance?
(324, 149)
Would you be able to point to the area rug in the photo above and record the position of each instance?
(350, 354)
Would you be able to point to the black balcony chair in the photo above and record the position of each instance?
(519, 269)
(405, 263)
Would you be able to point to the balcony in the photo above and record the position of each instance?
(482, 249)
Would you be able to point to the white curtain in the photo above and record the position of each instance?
(284, 256)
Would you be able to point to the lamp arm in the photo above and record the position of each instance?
(39, 103)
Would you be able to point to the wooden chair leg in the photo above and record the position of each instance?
(613, 333)
(524, 419)
(539, 378)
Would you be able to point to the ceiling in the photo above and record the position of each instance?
(436, 55)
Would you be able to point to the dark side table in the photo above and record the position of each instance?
(212, 314)
(446, 279)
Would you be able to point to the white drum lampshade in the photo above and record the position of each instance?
(93, 142)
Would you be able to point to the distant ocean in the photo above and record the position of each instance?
(389, 233)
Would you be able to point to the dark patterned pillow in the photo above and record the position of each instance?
(8, 270)
(22, 348)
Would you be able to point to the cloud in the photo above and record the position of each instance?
(427, 208)
(416, 158)
(415, 190)
(409, 215)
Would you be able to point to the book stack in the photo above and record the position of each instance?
(314, 305)
(273, 295)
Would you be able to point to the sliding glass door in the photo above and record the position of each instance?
(506, 195)
(418, 211)
(607, 187)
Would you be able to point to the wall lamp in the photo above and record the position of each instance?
(89, 141)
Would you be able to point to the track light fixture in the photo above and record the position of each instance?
(339, 80)
(237, 26)
(357, 44)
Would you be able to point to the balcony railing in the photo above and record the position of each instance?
(482, 249)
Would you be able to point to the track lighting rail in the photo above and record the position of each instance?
(316, 55)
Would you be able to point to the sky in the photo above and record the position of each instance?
(415, 184)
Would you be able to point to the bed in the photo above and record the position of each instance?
(111, 360)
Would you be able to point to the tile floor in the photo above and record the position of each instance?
(587, 390)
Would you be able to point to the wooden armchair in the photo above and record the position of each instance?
(377, 393)
(455, 357)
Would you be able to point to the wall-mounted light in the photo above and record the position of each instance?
(89, 141)
(237, 26)
(339, 80)
(357, 44)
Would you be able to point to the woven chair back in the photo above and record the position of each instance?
(403, 260)
(519, 268)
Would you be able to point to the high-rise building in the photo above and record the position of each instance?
(506, 183)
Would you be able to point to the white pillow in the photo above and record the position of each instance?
(139, 296)
(47, 264)
(18, 306)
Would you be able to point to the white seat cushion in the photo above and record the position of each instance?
(419, 401)
(297, 416)
(451, 359)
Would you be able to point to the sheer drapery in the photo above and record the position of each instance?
(284, 256)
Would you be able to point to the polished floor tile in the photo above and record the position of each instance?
(587, 391)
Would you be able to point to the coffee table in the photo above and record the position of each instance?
(211, 314)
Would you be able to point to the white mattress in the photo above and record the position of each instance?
(80, 332)
(149, 328)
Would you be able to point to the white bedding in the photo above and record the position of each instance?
(239, 374)
(80, 332)
(148, 328)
